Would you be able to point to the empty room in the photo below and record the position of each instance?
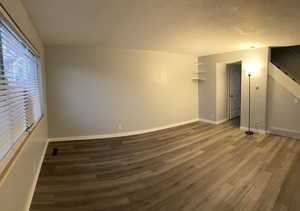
(149, 105)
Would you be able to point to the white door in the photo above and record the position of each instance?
(234, 91)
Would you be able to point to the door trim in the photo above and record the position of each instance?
(229, 88)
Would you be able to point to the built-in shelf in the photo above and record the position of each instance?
(199, 79)
(199, 75)
(199, 72)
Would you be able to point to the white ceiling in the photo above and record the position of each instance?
(182, 26)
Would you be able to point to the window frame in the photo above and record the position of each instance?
(8, 160)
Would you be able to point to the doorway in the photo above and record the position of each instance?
(234, 91)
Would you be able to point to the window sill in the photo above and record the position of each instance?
(7, 162)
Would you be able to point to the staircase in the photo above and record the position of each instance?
(284, 80)
(287, 59)
(284, 92)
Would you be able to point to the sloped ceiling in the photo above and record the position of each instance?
(182, 26)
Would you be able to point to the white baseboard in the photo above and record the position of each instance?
(123, 134)
(214, 122)
(222, 121)
(35, 180)
(254, 130)
(284, 132)
(208, 121)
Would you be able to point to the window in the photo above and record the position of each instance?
(20, 104)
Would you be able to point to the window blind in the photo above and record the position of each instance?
(20, 104)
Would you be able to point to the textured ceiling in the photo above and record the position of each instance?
(182, 26)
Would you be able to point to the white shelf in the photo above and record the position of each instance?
(199, 79)
(199, 72)
(198, 75)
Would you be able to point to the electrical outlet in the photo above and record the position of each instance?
(120, 126)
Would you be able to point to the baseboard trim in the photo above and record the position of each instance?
(214, 122)
(284, 132)
(208, 121)
(222, 121)
(260, 131)
(123, 134)
(36, 177)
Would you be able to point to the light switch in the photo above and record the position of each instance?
(296, 101)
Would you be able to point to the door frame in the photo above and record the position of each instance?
(229, 87)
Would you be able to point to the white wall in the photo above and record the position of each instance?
(17, 186)
(96, 91)
(283, 110)
(208, 89)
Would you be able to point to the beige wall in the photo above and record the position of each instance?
(16, 188)
(208, 90)
(96, 91)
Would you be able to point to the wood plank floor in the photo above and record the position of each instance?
(192, 167)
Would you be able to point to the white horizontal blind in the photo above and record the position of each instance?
(20, 105)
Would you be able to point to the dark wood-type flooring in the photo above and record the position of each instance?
(192, 167)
